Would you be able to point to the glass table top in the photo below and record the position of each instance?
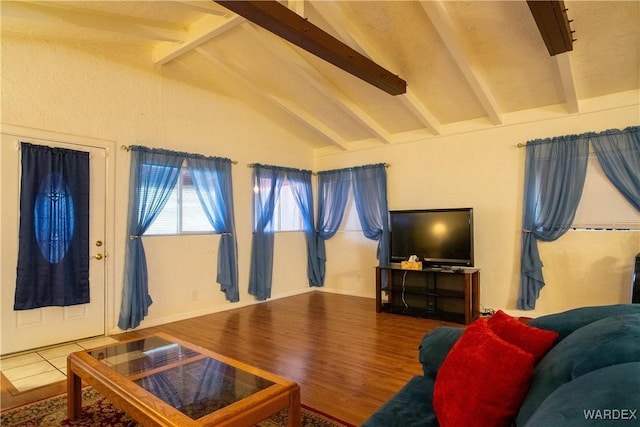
(194, 384)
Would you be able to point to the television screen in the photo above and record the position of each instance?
(438, 237)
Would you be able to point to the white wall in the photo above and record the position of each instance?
(118, 95)
(485, 170)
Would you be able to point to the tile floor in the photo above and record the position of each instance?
(46, 365)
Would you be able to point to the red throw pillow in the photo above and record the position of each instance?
(533, 340)
(482, 381)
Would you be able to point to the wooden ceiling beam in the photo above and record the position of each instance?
(346, 28)
(287, 24)
(200, 32)
(64, 15)
(288, 107)
(568, 79)
(299, 65)
(451, 36)
(553, 24)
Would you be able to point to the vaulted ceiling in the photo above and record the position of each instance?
(468, 65)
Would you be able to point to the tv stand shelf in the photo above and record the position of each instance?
(452, 295)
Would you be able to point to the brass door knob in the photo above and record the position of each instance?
(96, 256)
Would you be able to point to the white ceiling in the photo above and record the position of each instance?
(469, 65)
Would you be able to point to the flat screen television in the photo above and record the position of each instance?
(438, 237)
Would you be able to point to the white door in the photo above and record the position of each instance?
(27, 329)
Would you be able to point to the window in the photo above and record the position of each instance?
(183, 213)
(286, 214)
(602, 206)
(350, 221)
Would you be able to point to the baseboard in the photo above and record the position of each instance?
(345, 292)
(148, 323)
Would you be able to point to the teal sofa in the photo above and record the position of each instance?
(590, 377)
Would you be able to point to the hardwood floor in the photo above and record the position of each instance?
(347, 358)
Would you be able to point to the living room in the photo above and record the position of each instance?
(482, 169)
(60, 90)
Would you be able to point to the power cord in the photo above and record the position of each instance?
(404, 276)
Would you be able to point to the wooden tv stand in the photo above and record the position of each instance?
(435, 293)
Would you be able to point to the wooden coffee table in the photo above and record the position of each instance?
(161, 380)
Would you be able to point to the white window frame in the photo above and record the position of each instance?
(178, 191)
(282, 217)
(602, 207)
(350, 220)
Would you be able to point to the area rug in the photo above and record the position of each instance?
(97, 411)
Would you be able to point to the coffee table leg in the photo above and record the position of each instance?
(295, 416)
(74, 394)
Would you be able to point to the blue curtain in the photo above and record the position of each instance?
(333, 192)
(619, 155)
(300, 183)
(555, 170)
(370, 195)
(212, 181)
(267, 184)
(154, 174)
(53, 239)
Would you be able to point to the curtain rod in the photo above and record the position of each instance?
(128, 148)
(543, 141)
(386, 165)
(582, 135)
(521, 145)
(252, 165)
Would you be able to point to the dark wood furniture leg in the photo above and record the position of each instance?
(378, 290)
(74, 393)
(295, 416)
